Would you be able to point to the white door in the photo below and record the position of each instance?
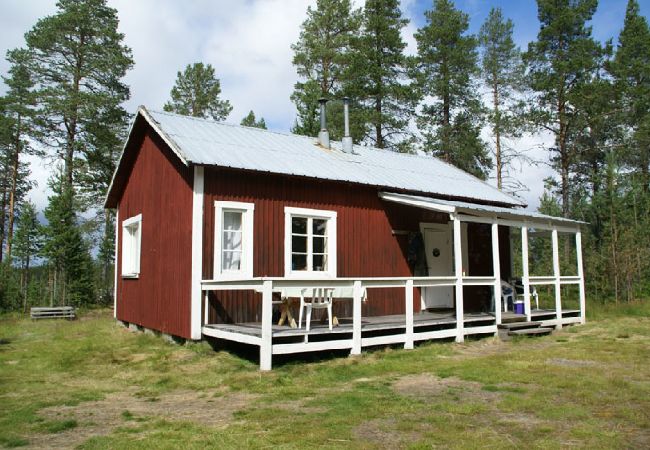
(438, 250)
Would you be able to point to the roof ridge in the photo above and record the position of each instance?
(232, 125)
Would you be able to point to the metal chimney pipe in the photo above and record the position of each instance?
(347, 139)
(323, 135)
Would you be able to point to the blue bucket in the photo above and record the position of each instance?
(519, 307)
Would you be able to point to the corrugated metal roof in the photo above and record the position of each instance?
(206, 142)
(475, 209)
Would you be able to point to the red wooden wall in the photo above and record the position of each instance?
(366, 246)
(160, 188)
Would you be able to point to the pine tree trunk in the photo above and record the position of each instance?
(497, 134)
(378, 125)
(3, 211)
(107, 279)
(23, 290)
(26, 278)
(53, 295)
(12, 191)
(614, 248)
(72, 124)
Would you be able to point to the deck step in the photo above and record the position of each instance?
(519, 325)
(513, 318)
(531, 331)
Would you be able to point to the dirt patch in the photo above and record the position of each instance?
(99, 418)
(571, 362)
(521, 419)
(299, 406)
(424, 386)
(384, 432)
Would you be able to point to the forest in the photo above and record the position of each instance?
(64, 97)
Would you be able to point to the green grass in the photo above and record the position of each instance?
(586, 386)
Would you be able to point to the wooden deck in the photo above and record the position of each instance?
(421, 321)
(378, 323)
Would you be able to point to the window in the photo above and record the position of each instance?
(131, 240)
(233, 243)
(310, 242)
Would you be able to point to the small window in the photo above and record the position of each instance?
(131, 245)
(310, 242)
(233, 239)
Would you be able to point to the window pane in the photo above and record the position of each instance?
(319, 244)
(232, 220)
(319, 227)
(320, 263)
(298, 244)
(231, 260)
(298, 262)
(299, 225)
(232, 240)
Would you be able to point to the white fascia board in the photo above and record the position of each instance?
(405, 200)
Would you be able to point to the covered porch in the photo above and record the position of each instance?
(356, 331)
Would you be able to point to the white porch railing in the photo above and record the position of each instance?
(266, 286)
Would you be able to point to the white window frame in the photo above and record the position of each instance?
(131, 251)
(330, 216)
(248, 211)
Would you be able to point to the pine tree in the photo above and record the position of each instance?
(378, 75)
(78, 60)
(196, 93)
(18, 108)
(563, 58)
(251, 121)
(27, 245)
(65, 250)
(502, 73)
(631, 68)
(447, 70)
(5, 173)
(321, 57)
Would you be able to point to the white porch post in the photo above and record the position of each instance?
(581, 276)
(525, 276)
(408, 341)
(356, 319)
(556, 275)
(197, 253)
(496, 264)
(458, 264)
(266, 347)
(206, 306)
(115, 265)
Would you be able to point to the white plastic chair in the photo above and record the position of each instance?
(321, 298)
(507, 295)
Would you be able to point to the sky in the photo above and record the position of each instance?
(248, 42)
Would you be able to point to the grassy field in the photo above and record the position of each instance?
(92, 384)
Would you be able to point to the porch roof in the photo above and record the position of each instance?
(464, 209)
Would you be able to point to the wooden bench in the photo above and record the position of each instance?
(55, 312)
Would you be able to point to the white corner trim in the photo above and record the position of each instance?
(248, 224)
(331, 217)
(197, 253)
(116, 267)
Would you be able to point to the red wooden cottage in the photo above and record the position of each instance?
(221, 228)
